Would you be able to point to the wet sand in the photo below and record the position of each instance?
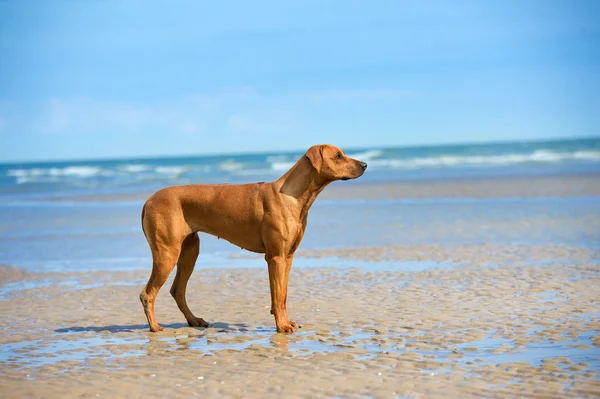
(429, 321)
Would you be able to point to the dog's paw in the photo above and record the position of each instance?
(157, 328)
(288, 328)
(198, 322)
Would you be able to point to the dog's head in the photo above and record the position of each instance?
(331, 163)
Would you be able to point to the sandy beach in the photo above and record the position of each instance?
(445, 309)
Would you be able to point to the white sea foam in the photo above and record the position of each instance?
(170, 170)
(277, 158)
(231, 165)
(587, 155)
(281, 166)
(366, 155)
(135, 168)
(17, 172)
(80, 171)
(539, 156)
(24, 179)
(255, 172)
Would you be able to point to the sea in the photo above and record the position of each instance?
(44, 227)
(39, 180)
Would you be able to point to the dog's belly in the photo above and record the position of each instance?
(241, 236)
(247, 243)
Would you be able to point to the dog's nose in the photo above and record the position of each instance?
(363, 165)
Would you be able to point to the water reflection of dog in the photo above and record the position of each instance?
(280, 341)
(159, 344)
(184, 336)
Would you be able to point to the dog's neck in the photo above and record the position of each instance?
(303, 183)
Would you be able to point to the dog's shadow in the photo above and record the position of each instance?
(115, 328)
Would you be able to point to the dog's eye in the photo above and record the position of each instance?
(338, 155)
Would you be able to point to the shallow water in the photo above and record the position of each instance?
(107, 236)
(78, 347)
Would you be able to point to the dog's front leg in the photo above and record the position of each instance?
(278, 282)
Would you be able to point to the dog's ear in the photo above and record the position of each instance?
(315, 156)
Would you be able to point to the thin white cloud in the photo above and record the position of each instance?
(84, 115)
(241, 110)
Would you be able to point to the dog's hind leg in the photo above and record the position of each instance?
(185, 266)
(163, 262)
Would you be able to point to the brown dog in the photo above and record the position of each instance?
(267, 218)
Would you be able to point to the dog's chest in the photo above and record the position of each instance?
(297, 235)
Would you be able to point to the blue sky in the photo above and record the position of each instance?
(100, 79)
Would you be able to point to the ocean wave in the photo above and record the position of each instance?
(22, 172)
(48, 175)
(366, 156)
(587, 155)
(80, 171)
(171, 170)
(231, 165)
(277, 158)
(135, 168)
(25, 179)
(83, 173)
(268, 166)
(282, 166)
(255, 172)
(538, 156)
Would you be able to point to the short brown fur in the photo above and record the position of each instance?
(267, 218)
